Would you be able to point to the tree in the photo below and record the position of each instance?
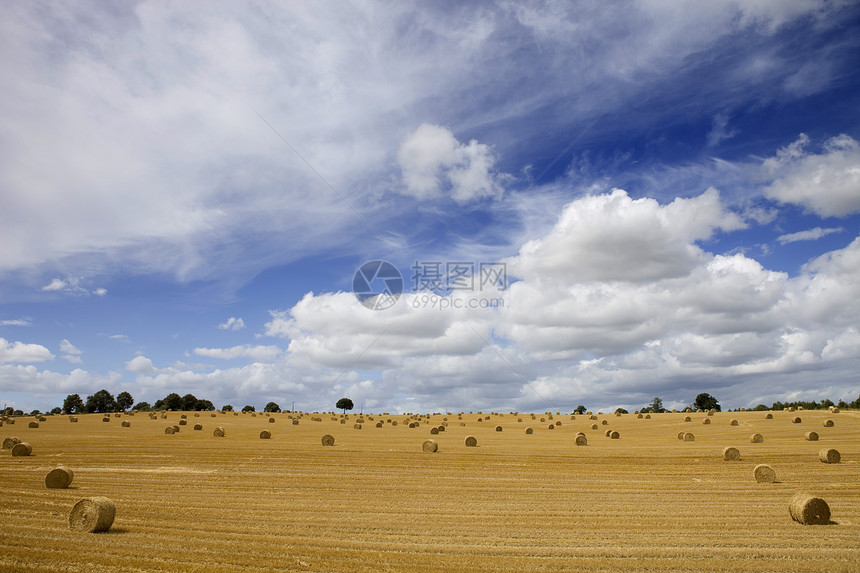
(100, 402)
(204, 405)
(580, 409)
(124, 401)
(620, 411)
(272, 407)
(73, 404)
(142, 406)
(249, 408)
(705, 401)
(172, 401)
(189, 402)
(57, 410)
(227, 408)
(344, 404)
(656, 405)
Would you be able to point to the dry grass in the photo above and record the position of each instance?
(376, 502)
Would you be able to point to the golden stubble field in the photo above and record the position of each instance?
(376, 502)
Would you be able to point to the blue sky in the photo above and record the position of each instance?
(673, 190)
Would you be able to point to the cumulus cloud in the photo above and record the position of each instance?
(808, 235)
(432, 162)
(826, 183)
(23, 352)
(70, 352)
(140, 364)
(14, 378)
(261, 353)
(232, 323)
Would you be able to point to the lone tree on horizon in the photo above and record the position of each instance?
(344, 404)
(705, 401)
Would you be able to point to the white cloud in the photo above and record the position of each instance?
(71, 285)
(23, 352)
(17, 322)
(14, 378)
(232, 323)
(432, 161)
(260, 353)
(808, 235)
(719, 130)
(70, 352)
(140, 364)
(827, 183)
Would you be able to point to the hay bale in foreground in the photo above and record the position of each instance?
(471, 442)
(92, 515)
(328, 440)
(763, 473)
(811, 436)
(756, 439)
(581, 440)
(529, 431)
(265, 435)
(828, 423)
(22, 449)
(430, 446)
(218, 432)
(809, 510)
(731, 454)
(689, 437)
(829, 456)
(59, 478)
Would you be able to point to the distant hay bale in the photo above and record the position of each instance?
(265, 435)
(639, 416)
(42, 419)
(430, 446)
(175, 429)
(92, 515)
(809, 510)
(471, 441)
(617, 413)
(198, 426)
(59, 478)
(379, 424)
(10, 421)
(614, 435)
(295, 421)
(183, 416)
(592, 417)
(218, 432)
(828, 423)
(558, 423)
(733, 423)
(117, 415)
(710, 412)
(9, 443)
(22, 449)
(731, 454)
(106, 419)
(791, 408)
(581, 440)
(647, 416)
(756, 438)
(551, 427)
(769, 417)
(681, 435)
(212, 415)
(604, 422)
(183, 422)
(196, 415)
(706, 421)
(608, 433)
(33, 425)
(796, 421)
(328, 440)
(73, 419)
(829, 456)
(169, 430)
(356, 427)
(543, 419)
(529, 431)
(811, 436)
(834, 410)
(763, 473)
(594, 426)
(126, 424)
(499, 428)
(689, 437)
(271, 420)
(434, 431)
(442, 428)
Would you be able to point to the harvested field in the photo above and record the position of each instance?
(375, 501)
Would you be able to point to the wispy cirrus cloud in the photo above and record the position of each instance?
(808, 235)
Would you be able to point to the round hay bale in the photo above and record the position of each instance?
(33, 425)
(639, 416)
(529, 431)
(434, 431)
(117, 415)
(169, 430)
(594, 426)
(183, 422)
(551, 427)
(183, 416)
(212, 415)
(791, 408)
(73, 419)
(198, 426)
(769, 417)
(689, 437)
(271, 420)
(763, 473)
(379, 424)
(796, 421)
(92, 515)
(733, 423)
(59, 478)
(647, 416)
(607, 433)
(175, 429)
(126, 424)
(811, 436)
(710, 412)
(442, 428)
(731, 454)
(22, 449)
(604, 423)
(828, 423)
(688, 419)
(499, 428)
(706, 421)
(809, 510)
(614, 435)
(196, 415)
(681, 435)
(756, 439)
(296, 421)
(356, 427)
(218, 432)
(430, 446)
(106, 419)
(265, 435)
(328, 440)
(829, 456)
(471, 442)
(581, 440)
(834, 410)
(10, 421)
